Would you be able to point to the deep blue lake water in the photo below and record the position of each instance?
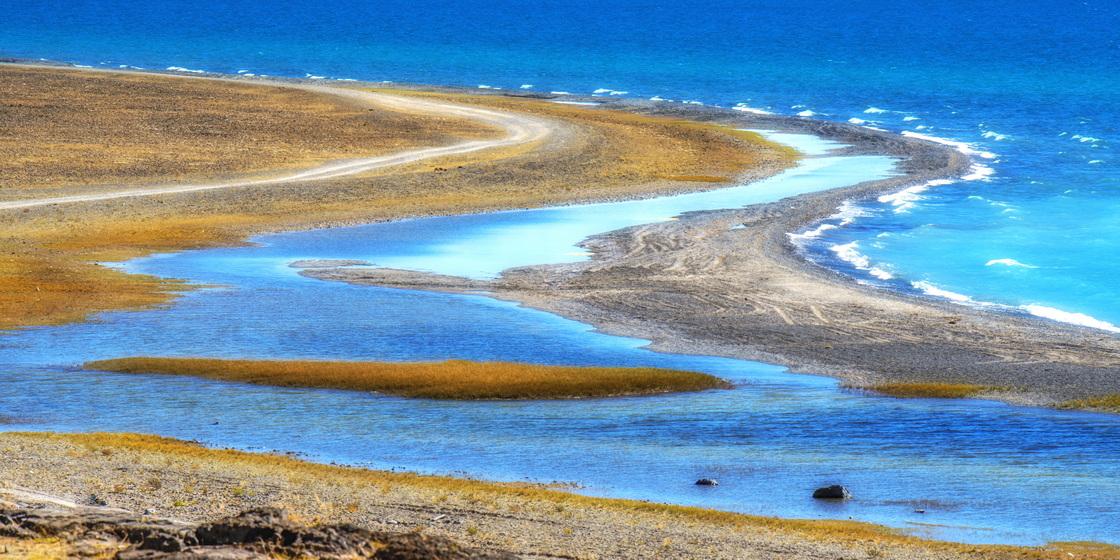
(1029, 87)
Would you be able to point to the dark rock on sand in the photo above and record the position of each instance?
(834, 492)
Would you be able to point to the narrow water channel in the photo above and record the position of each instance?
(980, 472)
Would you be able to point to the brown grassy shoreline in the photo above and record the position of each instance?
(453, 379)
(190, 482)
(48, 273)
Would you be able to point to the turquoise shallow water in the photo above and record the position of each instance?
(1029, 88)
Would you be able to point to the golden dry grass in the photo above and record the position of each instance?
(67, 126)
(453, 379)
(41, 549)
(243, 470)
(927, 390)
(1104, 403)
(48, 256)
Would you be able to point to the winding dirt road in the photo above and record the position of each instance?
(521, 129)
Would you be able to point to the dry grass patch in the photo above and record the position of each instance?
(453, 379)
(44, 549)
(1105, 403)
(75, 127)
(637, 149)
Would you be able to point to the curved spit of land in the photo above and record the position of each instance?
(520, 129)
(731, 283)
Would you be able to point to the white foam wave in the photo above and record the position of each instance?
(907, 198)
(482, 86)
(1008, 262)
(931, 290)
(875, 111)
(310, 77)
(807, 113)
(1079, 319)
(747, 109)
(979, 172)
(1084, 139)
(181, 69)
(962, 147)
(995, 135)
(813, 233)
(908, 119)
(854, 120)
(849, 254)
(1096, 161)
(526, 86)
(847, 212)
(602, 91)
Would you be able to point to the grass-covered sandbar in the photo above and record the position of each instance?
(452, 379)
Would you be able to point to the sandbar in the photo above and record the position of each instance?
(731, 283)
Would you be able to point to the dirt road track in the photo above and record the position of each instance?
(521, 129)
